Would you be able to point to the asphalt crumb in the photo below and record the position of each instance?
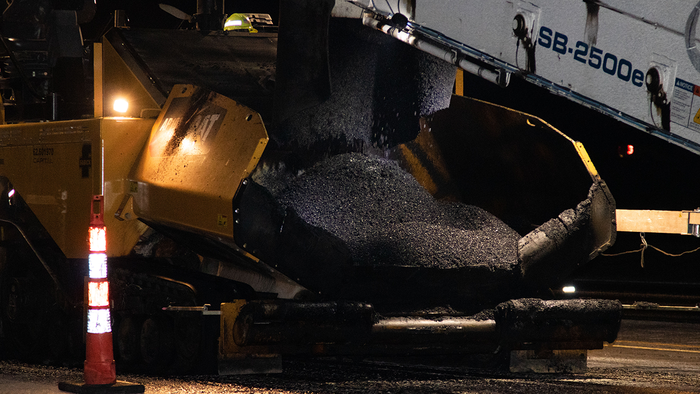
(386, 217)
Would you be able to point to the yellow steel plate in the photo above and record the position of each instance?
(201, 148)
(58, 166)
(652, 221)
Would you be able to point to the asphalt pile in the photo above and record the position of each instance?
(380, 89)
(386, 217)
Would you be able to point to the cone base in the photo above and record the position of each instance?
(120, 387)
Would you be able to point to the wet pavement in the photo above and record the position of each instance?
(648, 357)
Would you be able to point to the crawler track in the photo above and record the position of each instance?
(649, 357)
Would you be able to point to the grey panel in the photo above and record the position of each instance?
(238, 65)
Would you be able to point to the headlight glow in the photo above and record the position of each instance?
(121, 106)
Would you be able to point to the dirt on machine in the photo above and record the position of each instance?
(307, 189)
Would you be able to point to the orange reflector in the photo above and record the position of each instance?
(98, 239)
(98, 294)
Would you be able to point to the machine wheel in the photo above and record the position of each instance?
(128, 340)
(23, 318)
(64, 336)
(157, 344)
(188, 344)
(33, 327)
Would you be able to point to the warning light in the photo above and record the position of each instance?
(625, 150)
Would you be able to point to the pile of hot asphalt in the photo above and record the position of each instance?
(385, 217)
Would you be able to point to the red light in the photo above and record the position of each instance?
(625, 150)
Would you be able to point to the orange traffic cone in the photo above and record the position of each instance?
(99, 372)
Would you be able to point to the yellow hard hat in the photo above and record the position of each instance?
(239, 22)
